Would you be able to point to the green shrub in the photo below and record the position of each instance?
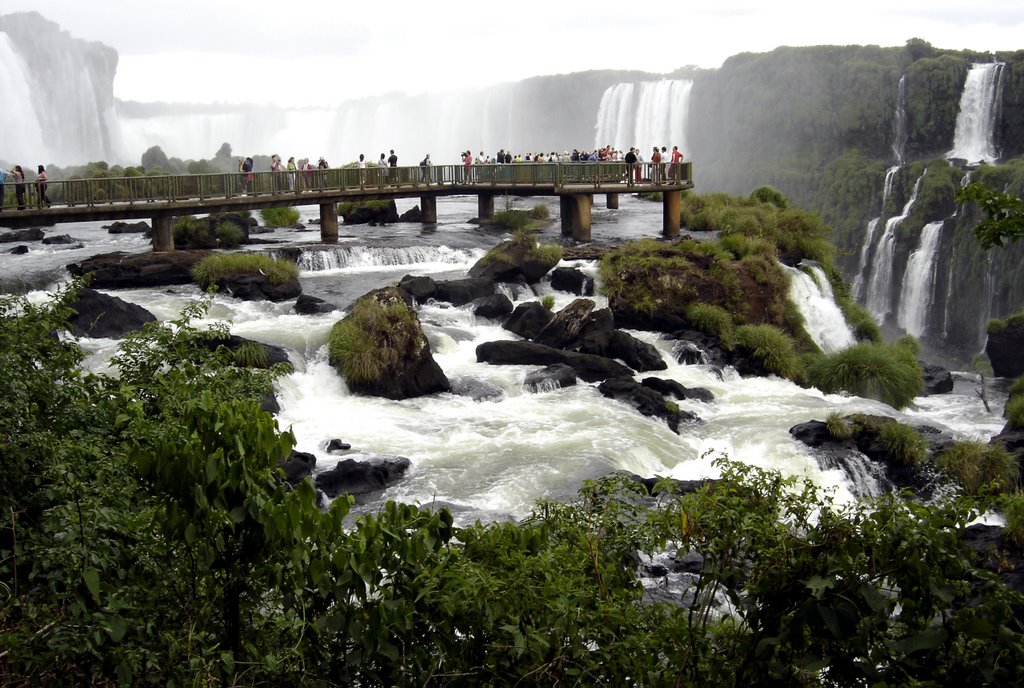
(251, 355)
(904, 444)
(279, 217)
(212, 269)
(995, 326)
(975, 464)
(548, 301)
(870, 370)
(864, 326)
(707, 317)
(1013, 510)
(540, 212)
(229, 235)
(1014, 412)
(770, 195)
(514, 220)
(908, 346)
(742, 246)
(772, 347)
(373, 339)
(191, 232)
(838, 427)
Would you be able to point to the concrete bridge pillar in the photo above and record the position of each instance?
(671, 205)
(575, 210)
(612, 201)
(163, 236)
(485, 206)
(329, 222)
(428, 208)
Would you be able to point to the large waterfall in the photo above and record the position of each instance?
(644, 115)
(58, 103)
(979, 109)
(919, 282)
(879, 296)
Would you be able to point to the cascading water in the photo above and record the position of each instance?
(812, 293)
(880, 286)
(869, 236)
(18, 113)
(919, 282)
(979, 109)
(899, 123)
(655, 116)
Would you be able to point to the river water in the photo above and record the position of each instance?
(493, 459)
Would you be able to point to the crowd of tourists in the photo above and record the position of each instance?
(17, 175)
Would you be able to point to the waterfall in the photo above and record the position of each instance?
(869, 236)
(979, 109)
(900, 134)
(812, 294)
(18, 113)
(368, 258)
(879, 296)
(656, 115)
(919, 282)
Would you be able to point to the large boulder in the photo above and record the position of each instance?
(645, 400)
(493, 307)
(297, 466)
(519, 257)
(1005, 349)
(555, 376)
(121, 270)
(589, 367)
(528, 319)
(937, 380)
(637, 354)
(258, 287)
(119, 227)
(563, 331)
(369, 212)
(98, 315)
(362, 477)
(462, 291)
(678, 390)
(573, 281)
(31, 234)
(380, 349)
(418, 287)
(311, 305)
(269, 354)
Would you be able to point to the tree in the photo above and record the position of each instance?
(1005, 214)
(155, 158)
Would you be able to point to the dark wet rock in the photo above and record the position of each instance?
(637, 354)
(64, 240)
(362, 477)
(572, 280)
(992, 551)
(475, 388)
(587, 366)
(311, 305)
(709, 345)
(528, 319)
(679, 391)
(297, 466)
(274, 354)
(413, 214)
(1005, 350)
(31, 234)
(688, 353)
(376, 213)
(494, 306)
(645, 400)
(418, 287)
(462, 291)
(564, 329)
(511, 260)
(554, 376)
(270, 404)
(17, 250)
(140, 227)
(139, 270)
(259, 288)
(336, 445)
(99, 315)
(937, 380)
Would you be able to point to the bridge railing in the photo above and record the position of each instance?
(289, 185)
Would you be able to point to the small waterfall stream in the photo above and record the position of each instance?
(919, 282)
(869, 236)
(880, 286)
(812, 294)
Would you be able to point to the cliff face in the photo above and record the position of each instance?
(59, 93)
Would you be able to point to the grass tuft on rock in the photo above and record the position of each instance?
(838, 427)
(904, 444)
(870, 370)
(373, 339)
(973, 465)
(772, 347)
(211, 269)
(279, 217)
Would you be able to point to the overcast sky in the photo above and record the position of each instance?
(325, 51)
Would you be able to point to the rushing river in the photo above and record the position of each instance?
(494, 458)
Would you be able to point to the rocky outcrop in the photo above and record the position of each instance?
(63, 241)
(587, 366)
(528, 319)
(937, 380)
(514, 259)
(297, 466)
(271, 353)
(573, 281)
(311, 305)
(373, 212)
(677, 390)
(645, 400)
(121, 270)
(98, 315)
(413, 214)
(140, 227)
(418, 287)
(462, 291)
(555, 376)
(494, 306)
(258, 287)
(32, 234)
(1005, 350)
(363, 477)
(380, 349)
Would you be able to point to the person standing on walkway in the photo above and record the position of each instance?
(677, 158)
(393, 163)
(656, 166)
(631, 168)
(19, 186)
(291, 173)
(41, 184)
(425, 169)
(3, 178)
(247, 174)
(323, 165)
(361, 165)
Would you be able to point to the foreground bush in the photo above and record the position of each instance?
(212, 269)
(869, 370)
(974, 465)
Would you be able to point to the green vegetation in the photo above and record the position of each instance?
(211, 269)
(1013, 510)
(191, 232)
(707, 317)
(1004, 214)
(838, 427)
(997, 325)
(769, 195)
(772, 347)
(514, 220)
(148, 538)
(523, 241)
(865, 327)
(974, 465)
(904, 444)
(374, 338)
(229, 235)
(548, 301)
(869, 370)
(1015, 412)
(540, 212)
(279, 217)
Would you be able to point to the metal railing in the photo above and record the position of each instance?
(104, 191)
